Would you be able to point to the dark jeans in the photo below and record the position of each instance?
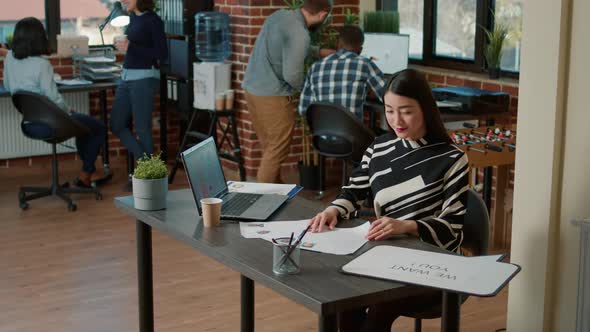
(135, 99)
(88, 146)
(380, 317)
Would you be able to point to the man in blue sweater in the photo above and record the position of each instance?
(274, 73)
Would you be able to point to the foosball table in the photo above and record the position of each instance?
(487, 147)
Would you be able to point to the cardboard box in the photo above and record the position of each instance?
(210, 79)
(72, 45)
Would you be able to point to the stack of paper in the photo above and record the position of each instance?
(340, 241)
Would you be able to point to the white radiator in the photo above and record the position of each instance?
(14, 144)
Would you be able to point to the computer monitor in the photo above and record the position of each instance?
(389, 51)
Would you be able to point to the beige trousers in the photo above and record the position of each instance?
(273, 118)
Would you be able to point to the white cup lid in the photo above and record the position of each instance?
(211, 200)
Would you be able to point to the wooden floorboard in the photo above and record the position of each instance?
(76, 271)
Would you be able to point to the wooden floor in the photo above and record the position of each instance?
(76, 271)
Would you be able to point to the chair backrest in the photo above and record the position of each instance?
(476, 226)
(39, 109)
(337, 132)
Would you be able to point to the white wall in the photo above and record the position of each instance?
(551, 182)
(538, 164)
(575, 196)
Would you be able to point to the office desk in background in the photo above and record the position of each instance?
(320, 286)
(102, 88)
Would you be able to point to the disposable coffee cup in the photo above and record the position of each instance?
(119, 39)
(211, 208)
(220, 101)
(229, 99)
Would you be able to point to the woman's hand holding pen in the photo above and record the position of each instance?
(386, 227)
(325, 219)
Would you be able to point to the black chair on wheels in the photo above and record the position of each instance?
(57, 126)
(339, 134)
(476, 236)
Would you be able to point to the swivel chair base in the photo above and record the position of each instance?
(61, 192)
(55, 190)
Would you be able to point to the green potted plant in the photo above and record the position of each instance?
(150, 183)
(381, 22)
(493, 49)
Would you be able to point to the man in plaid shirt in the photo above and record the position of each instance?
(342, 78)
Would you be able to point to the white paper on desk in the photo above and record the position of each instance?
(259, 188)
(340, 241)
(73, 81)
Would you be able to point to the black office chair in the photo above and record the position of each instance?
(57, 126)
(337, 133)
(476, 236)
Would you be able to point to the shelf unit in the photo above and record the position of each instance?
(179, 22)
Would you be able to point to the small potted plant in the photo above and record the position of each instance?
(150, 183)
(493, 49)
(381, 22)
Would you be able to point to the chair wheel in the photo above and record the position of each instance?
(21, 196)
(98, 196)
(72, 207)
(24, 205)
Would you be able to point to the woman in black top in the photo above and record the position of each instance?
(418, 180)
(145, 48)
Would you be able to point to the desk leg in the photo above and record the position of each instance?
(451, 312)
(103, 114)
(247, 303)
(144, 277)
(327, 323)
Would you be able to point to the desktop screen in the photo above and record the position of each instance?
(388, 51)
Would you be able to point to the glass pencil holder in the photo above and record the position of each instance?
(285, 260)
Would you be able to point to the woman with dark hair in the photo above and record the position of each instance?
(26, 70)
(418, 180)
(145, 48)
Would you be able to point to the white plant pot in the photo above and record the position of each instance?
(150, 194)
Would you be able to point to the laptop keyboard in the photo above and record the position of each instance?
(238, 204)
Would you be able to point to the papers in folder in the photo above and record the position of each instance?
(73, 81)
(289, 190)
(340, 241)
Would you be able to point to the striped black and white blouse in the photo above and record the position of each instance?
(413, 180)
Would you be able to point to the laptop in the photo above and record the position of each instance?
(206, 179)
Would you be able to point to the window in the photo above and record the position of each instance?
(82, 17)
(13, 11)
(455, 29)
(411, 22)
(447, 33)
(510, 12)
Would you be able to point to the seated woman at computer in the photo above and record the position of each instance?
(26, 70)
(418, 180)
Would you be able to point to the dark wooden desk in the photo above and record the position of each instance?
(102, 88)
(320, 286)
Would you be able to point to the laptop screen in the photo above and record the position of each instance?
(203, 170)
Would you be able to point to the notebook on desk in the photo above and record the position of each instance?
(206, 179)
